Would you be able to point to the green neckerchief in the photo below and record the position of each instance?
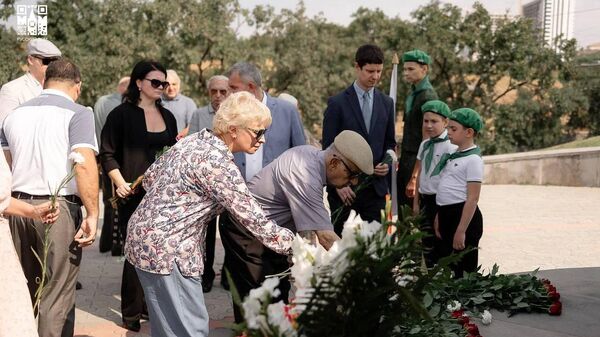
(422, 85)
(458, 154)
(430, 145)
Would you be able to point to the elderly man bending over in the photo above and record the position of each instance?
(290, 191)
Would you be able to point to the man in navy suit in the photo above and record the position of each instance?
(366, 110)
(245, 257)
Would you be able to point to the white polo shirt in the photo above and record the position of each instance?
(40, 134)
(452, 188)
(427, 183)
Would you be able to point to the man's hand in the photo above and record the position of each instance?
(381, 170)
(346, 194)
(459, 240)
(410, 188)
(86, 235)
(327, 238)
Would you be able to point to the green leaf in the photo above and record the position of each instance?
(477, 300)
(435, 310)
(415, 330)
(496, 287)
(427, 300)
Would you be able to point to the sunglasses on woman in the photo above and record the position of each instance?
(257, 133)
(157, 83)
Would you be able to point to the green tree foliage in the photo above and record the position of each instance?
(106, 38)
(587, 82)
(497, 66)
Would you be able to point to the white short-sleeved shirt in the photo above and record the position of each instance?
(40, 134)
(427, 183)
(452, 188)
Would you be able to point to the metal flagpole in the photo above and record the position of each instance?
(394, 80)
(393, 94)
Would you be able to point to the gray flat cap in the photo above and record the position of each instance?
(42, 47)
(356, 149)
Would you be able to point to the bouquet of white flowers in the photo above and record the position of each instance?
(373, 282)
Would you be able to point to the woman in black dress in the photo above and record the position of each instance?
(133, 134)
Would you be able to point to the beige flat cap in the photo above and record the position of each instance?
(356, 149)
(43, 48)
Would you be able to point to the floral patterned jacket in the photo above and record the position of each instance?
(185, 188)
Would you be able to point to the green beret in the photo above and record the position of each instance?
(416, 55)
(468, 118)
(437, 107)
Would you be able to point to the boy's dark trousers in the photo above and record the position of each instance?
(430, 241)
(449, 218)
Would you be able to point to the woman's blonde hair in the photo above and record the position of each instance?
(240, 109)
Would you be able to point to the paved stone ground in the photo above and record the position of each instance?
(525, 227)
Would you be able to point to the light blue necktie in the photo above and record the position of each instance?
(366, 110)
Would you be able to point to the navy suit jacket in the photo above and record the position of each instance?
(344, 113)
(285, 132)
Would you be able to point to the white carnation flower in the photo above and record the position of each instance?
(486, 318)
(251, 308)
(277, 317)
(455, 305)
(368, 229)
(302, 272)
(76, 157)
(268, 288)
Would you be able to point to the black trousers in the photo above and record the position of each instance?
(209, 252)
(429, 241)
(449, 218)
(106, 237)
(406, 165)
(133, 304)
(248, 261)
(367, 203)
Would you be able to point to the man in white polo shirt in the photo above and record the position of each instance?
(40, 52)
(39, 135)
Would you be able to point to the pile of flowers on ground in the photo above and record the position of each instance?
(373, 282)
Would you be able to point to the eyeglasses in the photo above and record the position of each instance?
(46, 60)
(223, 92)
(157, 83)
(258, 134)
(351, 174)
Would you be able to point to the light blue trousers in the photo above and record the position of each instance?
(175, 304)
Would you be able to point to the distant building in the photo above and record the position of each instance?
(593, 46)
(554, 18)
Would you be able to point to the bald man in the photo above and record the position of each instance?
(180, 105)
(218, 90)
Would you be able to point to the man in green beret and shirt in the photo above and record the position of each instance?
(415, 70)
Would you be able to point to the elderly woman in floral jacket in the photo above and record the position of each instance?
(185, 188)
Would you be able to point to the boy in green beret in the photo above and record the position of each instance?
(459, 222)
(415, 64)
(431, 150)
